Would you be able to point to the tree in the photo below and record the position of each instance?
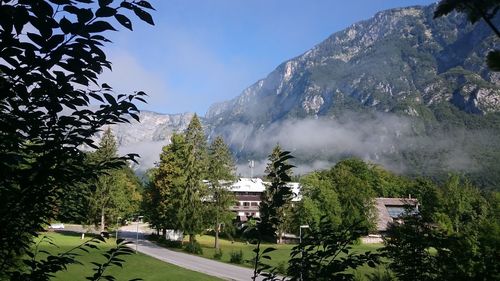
(325, 254)
(271, 171)
(220, 175)
(116, 192)
(451, 238)
(177, 182)
(353, 182)
(475, 11)
(197, 144)
(276, 195)
(50, 58)
(319, 201)
(166, 187)
(192, 209)
(101, 198)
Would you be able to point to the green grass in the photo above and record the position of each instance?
(136, 265)
(280, 256)
(282, 253)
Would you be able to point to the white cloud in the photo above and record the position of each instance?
(130, 75)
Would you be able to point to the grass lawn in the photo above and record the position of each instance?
(278, 257)
(136, 265)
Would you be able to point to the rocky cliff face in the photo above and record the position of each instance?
(149, 136)
(400, 89)
(398, 58)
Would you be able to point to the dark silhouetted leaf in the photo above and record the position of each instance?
(123, 20)
(145, 4)
(143, 15)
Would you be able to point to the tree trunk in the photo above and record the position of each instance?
(217, 236)
(192, 238)
(163, 232)
(217, 225)
(102, 220)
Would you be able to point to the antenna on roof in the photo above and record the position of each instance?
(251, 164)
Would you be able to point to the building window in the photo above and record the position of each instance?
(255, 204)
(395, 212)
(246, 204)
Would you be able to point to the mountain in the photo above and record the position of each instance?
(400, 89)
(399, 58)
(149, 136)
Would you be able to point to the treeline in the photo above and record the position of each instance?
(187, 190)
(110, 198)
(455, 235)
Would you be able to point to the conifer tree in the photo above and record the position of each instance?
(114, 193)
(167, 185)
(192, 210)
(221, 171)
(271, 170)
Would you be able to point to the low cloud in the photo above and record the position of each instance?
(149, 152)
(129, 75)
(320, 143)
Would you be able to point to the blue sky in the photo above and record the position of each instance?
(206, 51)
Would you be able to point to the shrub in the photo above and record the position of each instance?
(218, 254)
(281, 268)
(236, 257)
(193, 248)
(171, 243)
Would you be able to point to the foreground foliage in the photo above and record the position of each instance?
(455, 236)
(326, 254)
(51, 53)
(45, 268)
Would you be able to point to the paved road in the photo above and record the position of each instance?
(203, 265)
(195, 263)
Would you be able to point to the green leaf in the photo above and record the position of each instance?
(37, 39)
(99, 26)
(145, 4)
(65, 25)
(445, 7)
(109, 98)
(143, 15)
(123, 20)
(61, 2)
(105, 12)
(493, 60)
(268, 250)
(104, 3)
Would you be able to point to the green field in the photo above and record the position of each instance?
(136, 265)
(280, 256)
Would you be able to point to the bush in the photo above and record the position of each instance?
(218, 254)
(164, 242)
(281, 268)
(171, 243)
(236, 257)
(193, 248)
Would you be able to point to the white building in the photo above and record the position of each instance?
(248, 193)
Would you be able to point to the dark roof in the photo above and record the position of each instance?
(381, 204)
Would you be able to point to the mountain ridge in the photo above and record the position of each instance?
(401, 89)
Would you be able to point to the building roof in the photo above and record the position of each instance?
(258, 185)
(385, 207)
(248, 185)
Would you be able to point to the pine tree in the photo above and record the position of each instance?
(277, 194)
(167, 185)
(192, 209)
(221, 170)
(116, 192)
(271, 171)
